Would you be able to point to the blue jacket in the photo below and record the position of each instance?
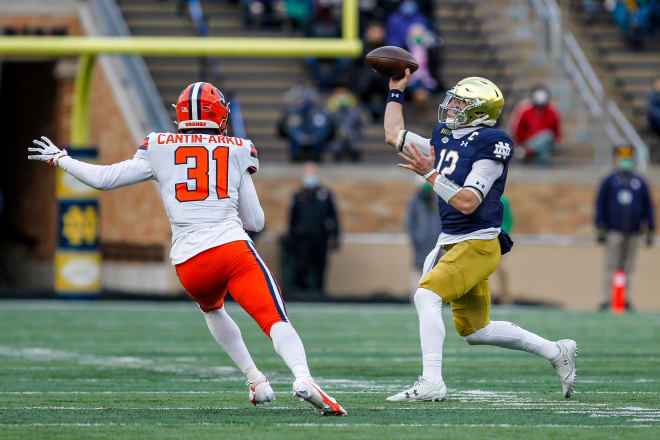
(623, 203)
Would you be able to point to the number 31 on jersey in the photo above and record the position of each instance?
(200, 172)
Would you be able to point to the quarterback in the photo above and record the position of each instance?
(204, 177)
(466, 162)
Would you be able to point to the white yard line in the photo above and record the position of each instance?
(46, 354)
(453, 425)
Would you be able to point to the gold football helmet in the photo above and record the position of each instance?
(472, 101)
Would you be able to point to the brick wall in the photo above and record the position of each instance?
(380, 206)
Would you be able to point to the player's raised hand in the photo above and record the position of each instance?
(417, 161)
(401, 83)
(47, 151)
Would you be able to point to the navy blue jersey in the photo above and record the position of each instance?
(454, 159)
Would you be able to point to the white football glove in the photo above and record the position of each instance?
(48, 152)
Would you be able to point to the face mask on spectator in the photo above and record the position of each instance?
(626, 164)
(408, 8)
(540, 97)
(310, 181)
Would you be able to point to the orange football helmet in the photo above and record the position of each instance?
(201, 106)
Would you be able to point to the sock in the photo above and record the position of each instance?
(288, 345)
(253, 375)
(431, 333)
(508, 335)
(228, 335)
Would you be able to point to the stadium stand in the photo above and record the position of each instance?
(479, 39)
(630, 71)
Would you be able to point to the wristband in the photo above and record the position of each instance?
(395, 95)
(428, 173)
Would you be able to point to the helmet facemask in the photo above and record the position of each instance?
(454, 111)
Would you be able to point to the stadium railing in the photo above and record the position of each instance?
(139, 77)
(562, 49)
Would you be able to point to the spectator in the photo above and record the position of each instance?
(305, 124)
(346, 116)
(653, 116)
(328, 72)
(313, 230)
(371, 86)
(399, 22)
(261, 13)
(623, 206)
(299, 13)
(536, 126)
(398, 27)
(422, 84)
(636, 19)
(423, 225)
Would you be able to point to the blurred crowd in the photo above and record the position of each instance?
(637, 19)
(329, 115)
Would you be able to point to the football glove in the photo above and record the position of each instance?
(601, 236)
(650, 238)
(48, 152)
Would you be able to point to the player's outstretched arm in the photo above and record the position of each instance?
(394, 110)
(112, 176)
(249, 209)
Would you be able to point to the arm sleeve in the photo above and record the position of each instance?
(249, 209)
(112, 176)
(406, 138)
(482, 176)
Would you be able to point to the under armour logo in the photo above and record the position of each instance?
(395, 95)
(415, 393)
(407, 395)
(481, 185)
(464, 144)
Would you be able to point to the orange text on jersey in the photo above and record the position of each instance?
(198, 138)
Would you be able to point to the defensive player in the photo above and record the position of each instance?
(466, 161)
(205, 182)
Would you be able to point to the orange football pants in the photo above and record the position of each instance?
(235, 267)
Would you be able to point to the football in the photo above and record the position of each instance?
(392, 61)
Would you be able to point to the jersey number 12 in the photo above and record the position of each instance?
(451, 157)
(200, 173)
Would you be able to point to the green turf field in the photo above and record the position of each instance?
(126, 370)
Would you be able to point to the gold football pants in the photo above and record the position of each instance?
(461, 278)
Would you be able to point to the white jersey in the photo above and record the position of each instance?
(204, 181)
(199, 176)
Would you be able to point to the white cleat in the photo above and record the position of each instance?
(564, 363)
(422, 391)
(261, 392)
(310, 391)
